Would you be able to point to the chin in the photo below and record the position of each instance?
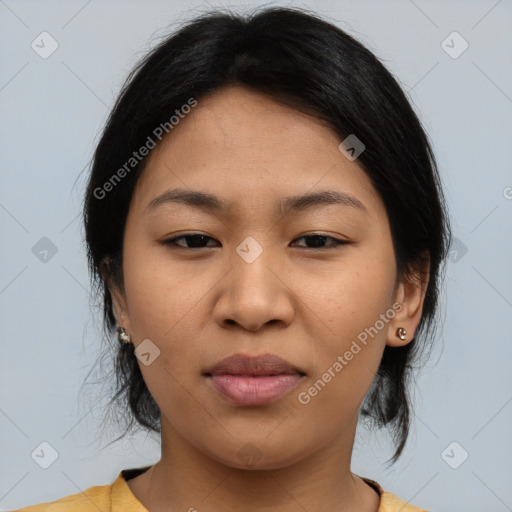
(260, 454)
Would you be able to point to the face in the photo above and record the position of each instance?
(251, 270)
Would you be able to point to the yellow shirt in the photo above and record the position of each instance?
(119, 498)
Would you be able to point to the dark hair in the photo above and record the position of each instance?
(305, 62)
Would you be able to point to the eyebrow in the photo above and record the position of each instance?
(291, 204)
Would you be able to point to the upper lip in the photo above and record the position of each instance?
(265, 364)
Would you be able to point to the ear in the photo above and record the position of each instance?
(118, 296)
(409, 297)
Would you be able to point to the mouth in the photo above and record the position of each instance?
(249, 381)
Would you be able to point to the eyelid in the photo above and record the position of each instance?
(335, 241)
(172, 241)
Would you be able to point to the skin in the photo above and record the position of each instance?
(302, 304)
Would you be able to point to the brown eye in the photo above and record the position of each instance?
(319, 241)
(195, 241)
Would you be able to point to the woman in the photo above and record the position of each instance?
(265, 219)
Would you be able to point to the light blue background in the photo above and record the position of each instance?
(52, 111)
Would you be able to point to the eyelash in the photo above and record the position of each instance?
(336, 241)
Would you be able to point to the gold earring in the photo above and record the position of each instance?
(401, 333)
(123, 336)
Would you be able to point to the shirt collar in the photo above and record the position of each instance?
(123, 500)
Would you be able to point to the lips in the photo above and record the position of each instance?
(250, 381)
(264, 365)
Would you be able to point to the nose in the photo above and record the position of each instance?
(254, 294)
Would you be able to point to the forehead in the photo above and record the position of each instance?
(249, 118)
(241, 145)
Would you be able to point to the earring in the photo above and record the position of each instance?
(123, 336)
(401, 333)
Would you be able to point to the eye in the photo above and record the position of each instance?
(319, 241)
(315, 241)
(193, 241)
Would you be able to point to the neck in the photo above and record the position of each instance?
(186, 478)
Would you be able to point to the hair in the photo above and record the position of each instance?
(309, 64)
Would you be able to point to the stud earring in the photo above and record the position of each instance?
(123, 336)
(401, 333)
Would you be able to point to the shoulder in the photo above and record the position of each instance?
(389, 502)
(91, 500)
(116, 497)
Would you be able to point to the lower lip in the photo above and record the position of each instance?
(253, 390)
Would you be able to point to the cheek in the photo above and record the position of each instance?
(352, 297)
(165, 306)
(160, 296)
(353, 309)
